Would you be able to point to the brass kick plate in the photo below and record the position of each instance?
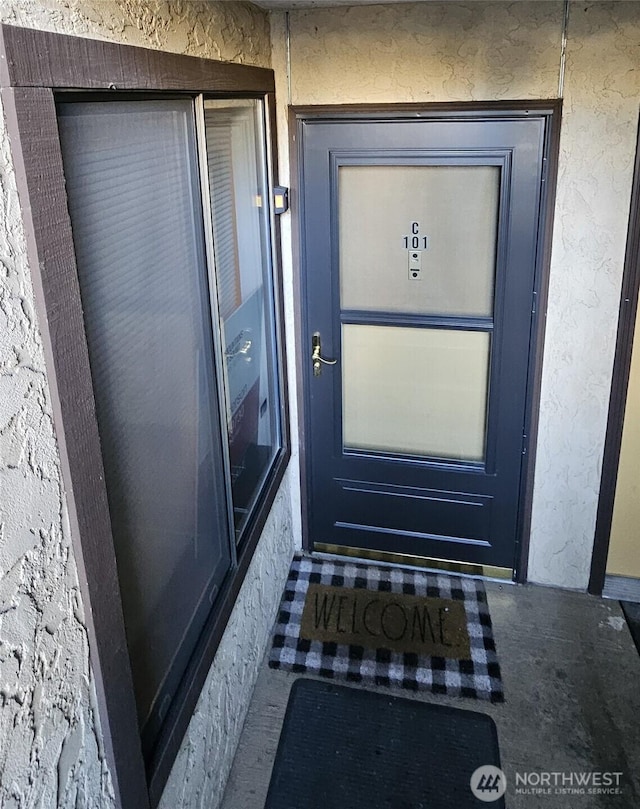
(487, 571)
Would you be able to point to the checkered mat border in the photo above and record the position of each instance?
(478, 678)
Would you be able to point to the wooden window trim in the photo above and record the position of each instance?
(34, 65)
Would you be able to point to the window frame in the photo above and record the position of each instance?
(35, 66)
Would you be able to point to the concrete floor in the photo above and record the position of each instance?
(572, 701)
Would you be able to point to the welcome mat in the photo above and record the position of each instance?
(387, 626)
(349, 747)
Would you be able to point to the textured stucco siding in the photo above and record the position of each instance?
(495, 51)
(232, 31)
(597, 148)
(50, 739)
(50, 747)
(426, 52)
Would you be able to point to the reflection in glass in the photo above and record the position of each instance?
(236, 164)
(415, 391)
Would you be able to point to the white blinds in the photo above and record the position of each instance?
(219, 138)
(135, 207)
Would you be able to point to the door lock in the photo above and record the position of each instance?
(316, 357)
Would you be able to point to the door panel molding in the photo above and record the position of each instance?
(550, 111)
(412, 491)
(449, 514)
(398, 532)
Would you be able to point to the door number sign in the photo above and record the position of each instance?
(415, 244)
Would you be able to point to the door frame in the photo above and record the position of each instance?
(551, 110)
(619, 387)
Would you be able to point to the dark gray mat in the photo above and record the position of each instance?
(631, 612)
(346, 748)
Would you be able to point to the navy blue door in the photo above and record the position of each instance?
(419, 247)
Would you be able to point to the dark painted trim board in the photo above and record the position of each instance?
(538, 332)
(68, 62)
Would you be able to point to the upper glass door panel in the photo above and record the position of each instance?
(418, 239)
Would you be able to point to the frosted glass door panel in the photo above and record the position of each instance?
(415, 391)
(443, 217)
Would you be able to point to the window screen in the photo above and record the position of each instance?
(134, 199)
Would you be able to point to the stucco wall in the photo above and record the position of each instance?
(50, 746)
(425, 52)
(602, 94)
(50, 741)
(220, 29)
(494, 51)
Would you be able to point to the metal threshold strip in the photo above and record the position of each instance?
(462, 568)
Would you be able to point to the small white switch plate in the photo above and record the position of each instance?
(415, 264)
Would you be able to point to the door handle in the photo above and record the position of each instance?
(316, 356)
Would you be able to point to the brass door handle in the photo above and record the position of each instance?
(316, 357)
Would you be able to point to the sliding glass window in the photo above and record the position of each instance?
(170, 209)
(238, 192)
